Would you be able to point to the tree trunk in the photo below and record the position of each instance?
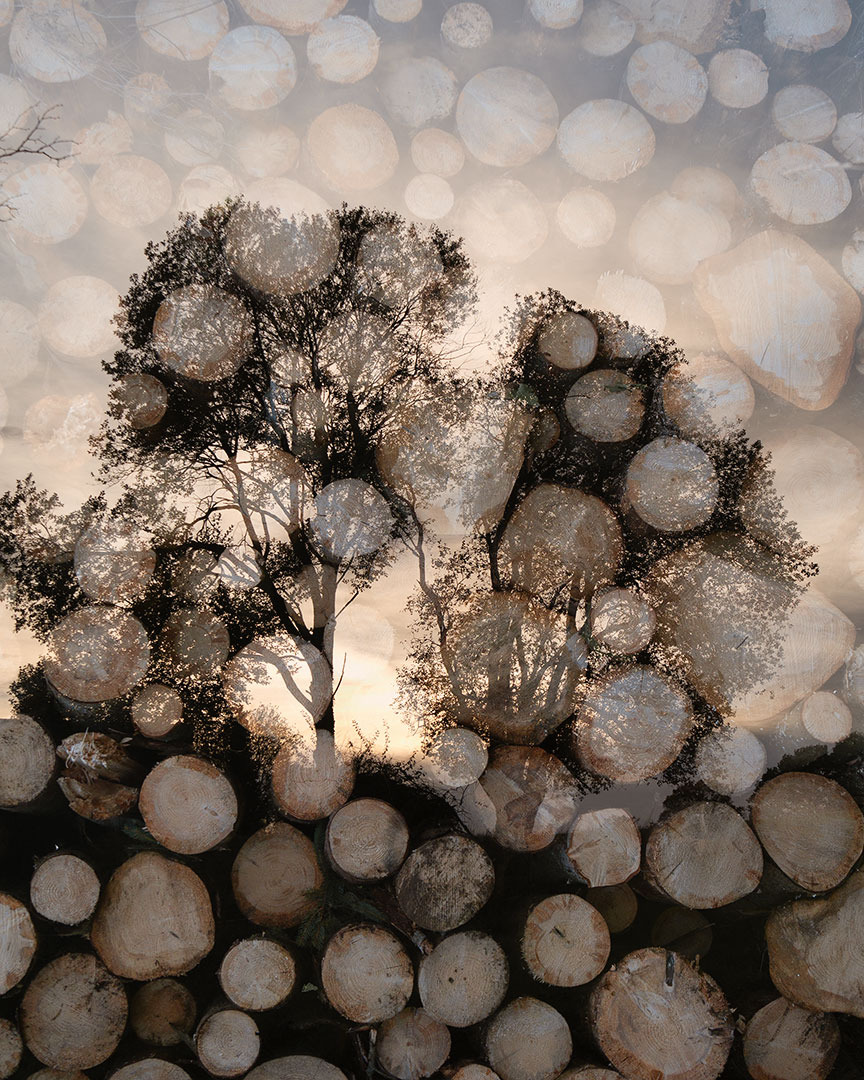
(366, 974)
(257, 974)
(784, 1042)
(65, 889)
(565, 941)
(27, 762)
(604, 847)
(528, 1040)
(18, 938)
(188, 805)
(412, 1044)
(273, 873)
(162, 1012)
(227, 1043)
(445, 882)
(366, 840)
(464, 979)
(312, 782)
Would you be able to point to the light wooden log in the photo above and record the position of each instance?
(397, 11)
(556, 14)
(27, 762)
(467, 26)
(188, 805)
(737, 78)
(586, 217)
(56, 41)
(343, 49)
(146, 100)
(162, 1012)
(366, 974)
(605, 140)
(533, 797)
(803, 113)
(19, 340)
(622, 620)
(606, 28)
(667, 82)
(604, 847)
(656, 238)
(156, 710)
(616, 903)
(654, 1014)
(799, 25)
(65, 889)
(436, 151)
(18, 938)
(703, 856)
(506, 116)
(366, 840)
(130, 191)
(96, 654)
(50, 203)
(810, 960)
(682, 931)
(352, 147)
(464, 979)
(852, 260)
(730, 760)
(149, 1069)
(696, 25)
(310, 783)
(412, 1044)
(429, 197)
(113, 562)
(417, 90)
(296, 1067)
(265, 152)
(202, 332)
(707, 186)
(98, 755)
(502, 220)
(528, 1040)
(273, 873)
(73, 1013)
(141, 400)
(801, 184)
(75, 316)
(181, 29)
(810, 826)
(632, 724)
(634, 299)
(708, 396)
(848, 138)
(589, 1072)
(299, 18)
(475, 1072)
(672, 485)
(455, 758)
(96, 800)
(565, 941)
(785, 1042)
(252, 67)
(444, 882)
(227, 1042)
(257, 974)
(568, 341)
(11, 1048)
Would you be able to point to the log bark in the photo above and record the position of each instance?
(622, 620)
(605, 140)
(188, 805)
(672, 485)
(97, 654)
(730, 760)
(65, 889)
(27, 762)
(257, 974)
(445, 882)
(310, 783)
(616, 903)
(803, 113)
(96, 800)
(11, 1048)
(366, 974)
(528, 1040)
(653, 1014)
(464, 979)
(17, 942)
(565, 941)
(810, 826)
(801, 183)
(785, 1042)
(605, 405)
(367, 840)
(412, 1044)
(73, 1013)
(667, 82)
(227, 1043)
(273, 873)
(604, 847)
(154, 919)
(157, 710)
(162, 1012)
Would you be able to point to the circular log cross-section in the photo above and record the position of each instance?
(252, 67)
(18, 942)
(565, 941)
(801, 183)
(156, 710)
(412, 1044)
(343, 49)
(366, 974)
(528, 1040)
(202, 332)
(228, 1043)
(64, 889)
(162, 1012)
(632, 724)
(150, 1069)
(257, 974)
(272, 875)
(97, 654)
(475, 1072)
(436, 151)
(803, 113)
(154, 919)
(312, 782)
(506, 117)
(667, 82)
(130, 191)
(73, 1013)
(616, 903)
(622, 620)
(569, 342)
(606, 405)
(367, 840)
(810, 826)
(188, 805)
(586, 217)
(657, 243)
(464, 979)
(604, 847)
(27, 761)
(737, 78)
(605, 140)
(445, 882)
(708, 396)
(352, 147)
(672, 485)
(296, 1067)
(785, 1042)
(113, 563)
(730, 759)
(11, 1049)
(606, 28)
(826, 717)
(654, 1015)
(456, 758)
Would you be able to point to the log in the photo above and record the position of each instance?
(810, 959)
(162, 1012)
(803, 113)
(63, 323)
(533, 797)
(310, 783)
(606, 28)
(475, 1072)
(65, 889)
(730, 760)
(604, 847)
(429, 197)
(528, 1040)
(631, 725)
(18, 938)
(188, 805)
(113, 562)
(565, 941)
(141, 400)
(130, 191)
(848, 138)
(502, 220)
(146, 100)
(464, 978)
(296, 1067)
(56, 41)
(706, 186)
(181, 29)
(266, 152)
(397, 12)
(852, 260)
(810, 826)
(96, 800)
(703, 856)
(709, 396)
(11, 1048)
(636, 300)
(682, 931)
(799, 25)
(568, 341)
(696, 25)
(506, 117)
(96, 755)
(366, 840)
(605, 140)
(622, 620)
(352, 147)
(826, 717)
(784, 1042)
(555, 14)
(342, 50)
(156, 710)
(273, 874)
(366, 974)
(412, 1044)
(672, 485)
(667, 82)
(202, 332)
(455, 758)
(252, 67)
(586, 217)
(444, 882)
(227, 1042)
(50, 203)
(257, 974)
(418, 90)
(27, 762)
(616, 903)
(656, 234)
(73, 1013)
(654, 1014)
(150, 1069)
(467, 26)
(801, 183)
(737, 78)
(58, 427)
(436, 151)
(97, 654)
(19, 340)
(301, 17)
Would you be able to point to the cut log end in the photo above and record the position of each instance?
(162, 1012)
(64, 889)
(464, 979)
(27, 761)
(227, 1043)
(445, 882)
(257, 974)
(366, 974)
(188, 805)
(785, 1042)
(528, 1040)
(367, 840)
(412, 1044)
(604, 847)
(565, 941)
